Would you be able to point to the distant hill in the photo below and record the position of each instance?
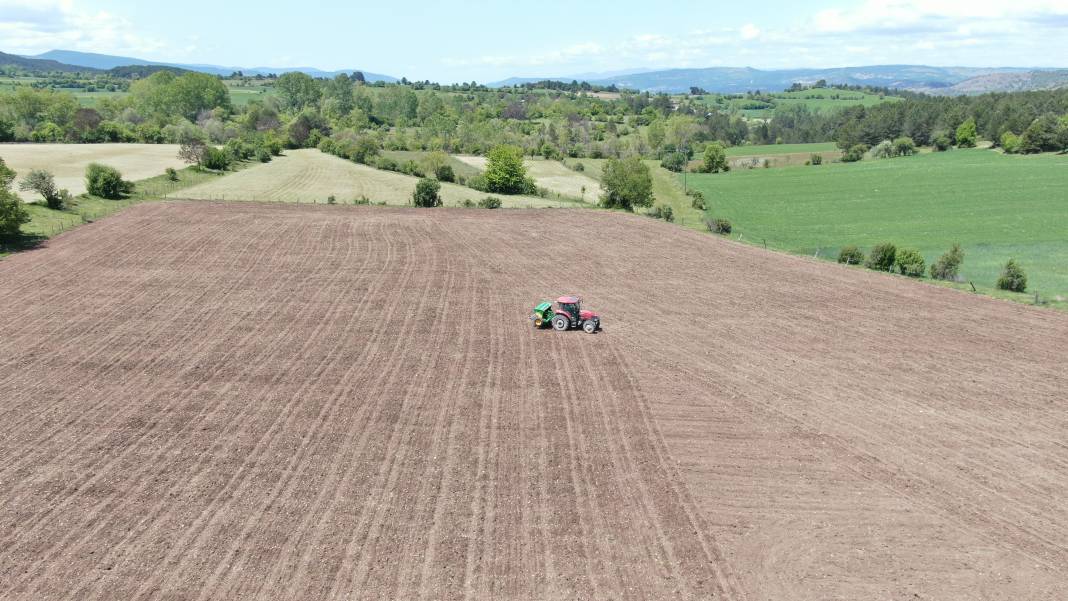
(37, 65)
(734, 80)
(1007, 82)
(107, 61)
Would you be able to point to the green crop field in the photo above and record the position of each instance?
(996, 206)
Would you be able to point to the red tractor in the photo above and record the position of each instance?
(565, 315)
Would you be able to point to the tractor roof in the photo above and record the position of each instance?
(567, 300)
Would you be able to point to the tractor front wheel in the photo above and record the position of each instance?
(590, 326)
(560, 323)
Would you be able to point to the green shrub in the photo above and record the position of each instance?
(387, 164)
(216, 159)
(1010, 142)
(106, 182)
(883, 150)
(331, 200)
(12, 213)
(855, 153)
(490, 202)
(882, 257)
(942, 143)
(674, 161)
(427, 193)
(362, 200)
(172, 175)
(904, 146)
(715, 159)
(468, 203)
(263, 154)
(966, 134)
(1013, 277)
(579, 167)
(816, 159)
(718, 225)
(697, 199)
(910, 262)
(412, 168)
(948, 265)
(444, 173)
(851, 255)
(627, 184)
(505, 173)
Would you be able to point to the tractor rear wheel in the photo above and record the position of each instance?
(590, 326)
(560, 323)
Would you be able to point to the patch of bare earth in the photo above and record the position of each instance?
(291, 402)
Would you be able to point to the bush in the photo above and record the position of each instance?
(106, 182)
(468, 203)
(904, 146)
(579, 167)
(910, 262)
(1013, 277)
(216, 159)
(1010, 142)
(664, 213)
(715, 159)
(855, 153)
(948, 265)
(362, 200)
(851, 255)
(427, 193)
(412, 168)
(674, 161)
(882, 257)
(942, 143)
(444, 173)
(816, 159)
(331, 200)
(387, 164)
(883, 150)
(718, 225)
(697, 199)
(172, 175)
(490, 202)
(42, 182)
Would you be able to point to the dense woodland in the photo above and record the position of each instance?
(358, 118)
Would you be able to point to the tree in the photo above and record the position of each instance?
(505, 173)
(1013, 277)
(948, 265)
(627, 184)
(12, 213)
(1041, 135)
(193, 151)
(297, 90)
(715, 159)
(444, 173)
(855, 153)
(966, 134)
(43, 183)
(427, 193)
(106, 182)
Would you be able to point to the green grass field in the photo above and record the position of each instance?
(997, 206)
(777, 149)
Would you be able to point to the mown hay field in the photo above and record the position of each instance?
(67, 162)
(311, 176)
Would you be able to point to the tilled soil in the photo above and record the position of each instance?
(242, 401)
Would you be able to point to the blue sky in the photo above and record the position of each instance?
(484, 41)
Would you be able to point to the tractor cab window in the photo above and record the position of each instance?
(570, 308)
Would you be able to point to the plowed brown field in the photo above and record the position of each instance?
(245, 401)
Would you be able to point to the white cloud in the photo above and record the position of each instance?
(750, 32)
(35, 26)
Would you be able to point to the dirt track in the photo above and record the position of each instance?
(255, 401)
